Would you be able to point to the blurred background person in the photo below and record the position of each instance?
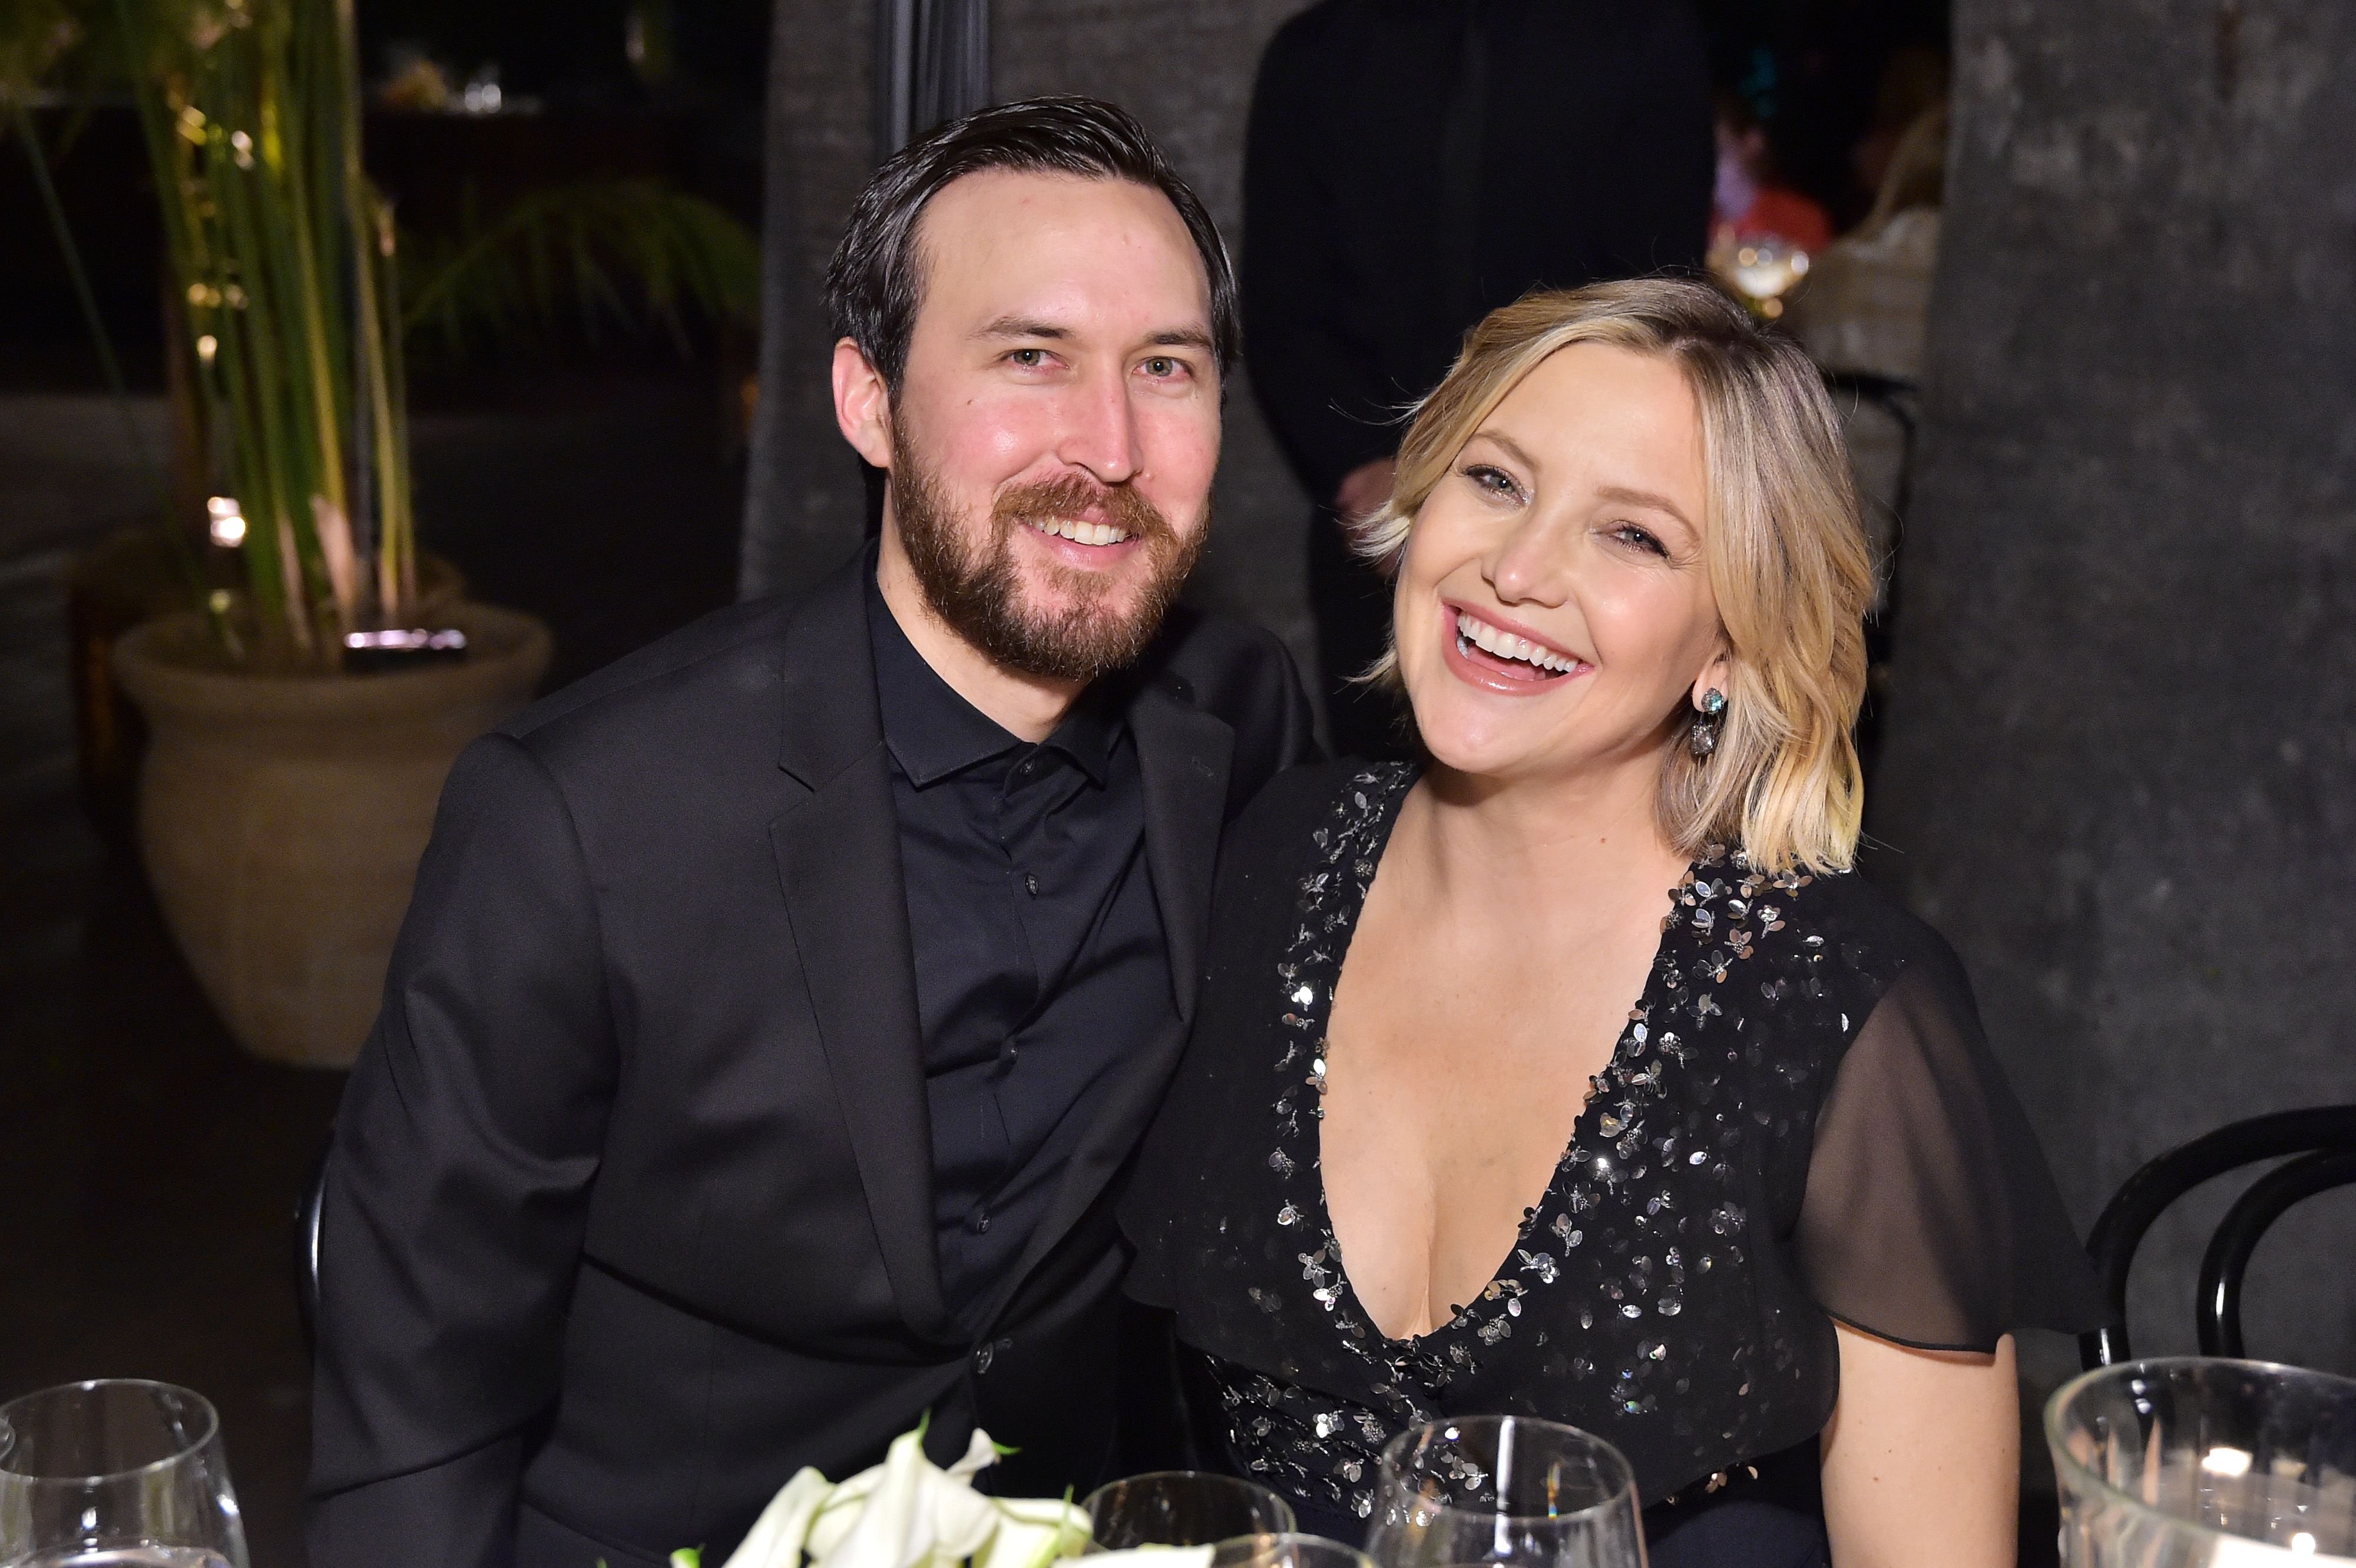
(1864, 311)
(1412, 165)
(1911, 83)
(1749, 200)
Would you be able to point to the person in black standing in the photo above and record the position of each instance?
(1412, 165)
(776, 1008)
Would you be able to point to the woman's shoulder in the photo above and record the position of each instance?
(1290, 808)
(1864, 925)
(1304, 824)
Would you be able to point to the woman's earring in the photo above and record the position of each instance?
(1703, 737)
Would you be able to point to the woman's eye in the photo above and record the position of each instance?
(1630, 534)
(1492, 481)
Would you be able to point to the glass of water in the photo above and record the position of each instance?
(1182, 1507)
(115, 1474)
(1505, 1489)
(2194, 1462)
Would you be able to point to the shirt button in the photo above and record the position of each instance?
(981, 1222)
(1031, 884)
(1013, 1054)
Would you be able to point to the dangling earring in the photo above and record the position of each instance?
(1702, 739)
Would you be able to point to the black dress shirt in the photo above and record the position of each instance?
(1412, 164)
(1040, 956)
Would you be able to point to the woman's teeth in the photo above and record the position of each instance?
(1078, 532)
(1505, 645)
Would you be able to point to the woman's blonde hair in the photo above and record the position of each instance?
(1787, 556)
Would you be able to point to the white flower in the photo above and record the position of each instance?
(907, 1512)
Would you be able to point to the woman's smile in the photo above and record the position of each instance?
(1492, 653)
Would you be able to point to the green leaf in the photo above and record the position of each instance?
(631, 253)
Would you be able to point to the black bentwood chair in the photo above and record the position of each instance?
(2324, 1141)
(306, 1245)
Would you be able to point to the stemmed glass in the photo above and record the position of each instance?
(1286, 1551)
(116, 1473)
(1182, 1507)
(1505, 1489)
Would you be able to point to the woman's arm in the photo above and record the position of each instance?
(1922, 1458)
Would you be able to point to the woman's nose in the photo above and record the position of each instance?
(1532, 563)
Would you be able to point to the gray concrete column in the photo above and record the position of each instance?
(2121, 762)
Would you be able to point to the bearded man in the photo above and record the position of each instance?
(778, 1009)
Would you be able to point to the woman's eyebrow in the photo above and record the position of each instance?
(1513, 447)
(1644, 498)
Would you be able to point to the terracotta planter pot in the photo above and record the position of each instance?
(282, 817)
(124, 582)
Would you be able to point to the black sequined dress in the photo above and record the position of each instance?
(1800, 1122)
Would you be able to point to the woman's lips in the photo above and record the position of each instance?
(1496, 672)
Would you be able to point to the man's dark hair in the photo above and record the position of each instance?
(877, 278)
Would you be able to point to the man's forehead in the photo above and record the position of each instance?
(1005, 244)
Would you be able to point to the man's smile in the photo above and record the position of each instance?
(1078, 529)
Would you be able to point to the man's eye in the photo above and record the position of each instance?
(1159, 367)
(1029, 358)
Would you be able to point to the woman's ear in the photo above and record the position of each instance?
(1718, 675)
(862, 405)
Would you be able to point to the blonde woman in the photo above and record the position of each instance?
(1571, 1073)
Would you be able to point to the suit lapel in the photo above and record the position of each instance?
(1184, 755)
(838, 853)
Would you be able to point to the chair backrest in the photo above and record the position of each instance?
(306, 1245)
(2325, 1137)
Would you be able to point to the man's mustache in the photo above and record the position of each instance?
(1076, 497)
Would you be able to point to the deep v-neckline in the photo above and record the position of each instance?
(1313, 1007)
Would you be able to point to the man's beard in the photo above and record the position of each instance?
(980, 593)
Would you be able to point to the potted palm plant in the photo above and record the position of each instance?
(285, 797)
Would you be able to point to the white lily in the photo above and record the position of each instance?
(907, 1512)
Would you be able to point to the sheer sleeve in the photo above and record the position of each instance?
(1930, 1217)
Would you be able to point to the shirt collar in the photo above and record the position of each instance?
(934, 733)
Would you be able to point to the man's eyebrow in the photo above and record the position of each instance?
(1183, 338)
(1019, 326)
(1643, 497)
(1025, 327)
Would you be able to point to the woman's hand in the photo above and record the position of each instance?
(1922, 1458)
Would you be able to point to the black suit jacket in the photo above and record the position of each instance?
(629, 1213)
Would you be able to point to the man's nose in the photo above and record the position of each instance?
(1099, 433)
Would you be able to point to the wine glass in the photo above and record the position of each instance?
(1761, 268)
(115, 1474)
(1182, 1507)
(2189, 1461)
(1286, 1551)
(1505, 1489)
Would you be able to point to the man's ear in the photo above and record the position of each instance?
(863, 405)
